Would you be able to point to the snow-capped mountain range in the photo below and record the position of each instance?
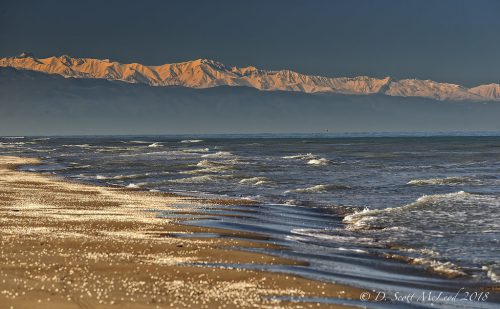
(205, 73)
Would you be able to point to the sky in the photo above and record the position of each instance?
(453, 41)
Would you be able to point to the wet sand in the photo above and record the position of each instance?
(70, 245)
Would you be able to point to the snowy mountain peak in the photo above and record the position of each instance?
(206, 73)
(26, 55)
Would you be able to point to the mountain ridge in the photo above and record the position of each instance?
(206, 73)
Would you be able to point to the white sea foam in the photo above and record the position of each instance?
(207, 163)
(320, 188)
(79, 167)
(13, 143)
(156, 144)
(437, 229)
(307, 156)
(319, 162)
(218, 154)
(257, 181)
(362, 219)
(130, 176)
(445, 268)
(352, 250)
(493, 272)
(78, 145)
(439, 181)
(208, 166)
(195, 150)
(192, 141)
(207, 170)
(200, 179)
(138, 142)
(332, 235)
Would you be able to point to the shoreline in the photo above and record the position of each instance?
(72, 245)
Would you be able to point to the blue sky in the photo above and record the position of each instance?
(448, 40)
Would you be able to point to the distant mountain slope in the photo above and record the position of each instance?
(491, 91)
(43, 104)
(205, 73)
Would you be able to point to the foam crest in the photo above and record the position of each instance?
(218, 154)
(307, 156)
(319, 162)
(195, 150)
(200, 179)
(362, 219)
(156, 144)
(321, 188)
(257, 181)
(439, 181)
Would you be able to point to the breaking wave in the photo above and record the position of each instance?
(78, 145)
(207, 163)
(130, 176)
(200, 179)
(192, 141)
(319, 162)
(156, 144)
(321, 188)
(439, 181)
(132, 186)
(256, 181)
(207, 166)
(365, 219)
(436, 226)
(137, 142)
(307, 156)
(218, 154)
(493, 272)
(195, 150)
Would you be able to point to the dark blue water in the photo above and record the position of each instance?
(343, 204)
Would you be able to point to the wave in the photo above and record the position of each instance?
(200, 179)
(447, 269)
(78, 145)
(256, 181)
(218, 154)
(137, 142)
(493, 272)
(132, 186)
(208, 170)
(362, 219)
(337, 236)
(207, 163)
(156, 144)
(130, 176)
(321, 188)
(195, 150)
(192, 141)
(307, 156)
(12, 143)
(439, 181)
(76, 166)
(319, 162)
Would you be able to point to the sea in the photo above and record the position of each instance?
(394, 214)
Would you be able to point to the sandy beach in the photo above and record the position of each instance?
(70, 245)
